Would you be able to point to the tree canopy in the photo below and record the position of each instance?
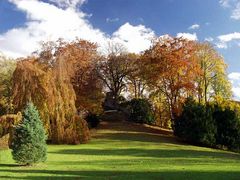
(67, 80)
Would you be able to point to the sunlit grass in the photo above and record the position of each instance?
(115, 154)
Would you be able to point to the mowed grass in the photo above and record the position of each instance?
(127, 152)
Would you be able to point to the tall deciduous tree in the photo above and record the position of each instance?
(171, 69)
(114, 68)
(81, 56)
(7, 67)
(212, 82)
(136, 85)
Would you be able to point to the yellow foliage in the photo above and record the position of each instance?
(48, 85)
(8, 121)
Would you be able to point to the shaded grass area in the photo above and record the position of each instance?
(119, 152)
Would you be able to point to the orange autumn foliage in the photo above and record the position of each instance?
(171, 70)
(51, 82)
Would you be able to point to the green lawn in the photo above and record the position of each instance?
(118, 152)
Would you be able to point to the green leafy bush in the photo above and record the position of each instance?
(140, 111)
(195, 124)
(29, 138)
(92, 120)
(214, 125)
(228, 127)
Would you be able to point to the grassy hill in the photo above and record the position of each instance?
(127, 152)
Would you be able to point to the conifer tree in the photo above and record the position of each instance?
(29, 138)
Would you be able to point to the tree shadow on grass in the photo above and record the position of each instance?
(10, 165)
(108, 174)
(133, 127)
(140, 137)
(147, 138)
(151, 153)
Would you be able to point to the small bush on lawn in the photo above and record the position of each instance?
(92, 120)
(29, 138)
(195, 124)
(140, 111)
(228, 127)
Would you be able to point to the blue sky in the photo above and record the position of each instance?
(170, 17)
(24, 23)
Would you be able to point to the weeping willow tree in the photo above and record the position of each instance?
(47, 81)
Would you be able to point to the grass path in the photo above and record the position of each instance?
(127, 152)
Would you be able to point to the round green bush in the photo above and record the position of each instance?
(140, 111)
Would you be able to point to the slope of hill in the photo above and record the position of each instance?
(127, 151)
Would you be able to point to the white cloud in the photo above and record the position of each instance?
(189, 36)
(63, 19)
(236, 12)
(225, 3)
(234, 5)
(46, 22)
(110, 20)
(135, 38)
(226, 38)
(209, 39)
(194, 26)
(229, 37)
(234, 78)
(166, 37)
(221, 45)
(68, 3)
(236, 93)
